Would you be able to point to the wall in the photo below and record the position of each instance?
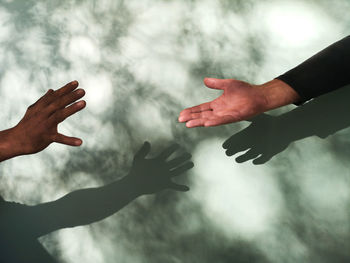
(282, 192)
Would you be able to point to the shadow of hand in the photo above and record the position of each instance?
(153, 175)
(262, 139)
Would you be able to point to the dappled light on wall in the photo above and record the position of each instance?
(277, 192)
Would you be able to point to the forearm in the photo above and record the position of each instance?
(324, 72)
(9, 146)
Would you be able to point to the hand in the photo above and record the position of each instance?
(264, 138)
(38, 127)
(239, 101)
(153, 175)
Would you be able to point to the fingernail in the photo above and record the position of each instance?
(80, 91)
(81, 103)
(208, 79)
(188, 124)
(78, 142)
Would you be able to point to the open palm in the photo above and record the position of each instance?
(239, 101)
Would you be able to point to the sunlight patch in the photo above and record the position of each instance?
(242, 199)
(81, 48)
(74, 250)
(99, 92)
(295, 23)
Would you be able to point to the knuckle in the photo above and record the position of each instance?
(30, 107)
(76, 95)
(52, 107)
(49, 93)
(47, 97)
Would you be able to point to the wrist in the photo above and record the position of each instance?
(9, 144)
(131, 183)
(277, 94)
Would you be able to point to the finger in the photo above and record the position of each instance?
(201, 107)
(143, 151)
(229, 142)
(179, 160)
(236, 149)
(168, 151)
(198, 108)
(72, 141)
(179, 187)
(195, 123)
(219, 121)
(43, 99)
(63, 114)
(47, 97)
(216, 83)
(200, 115)
(249, 155)
(65, 100)
(69, 87)
(181, 169)
(237, 143)
(262, 159)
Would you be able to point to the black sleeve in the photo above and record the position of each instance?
(324, 72)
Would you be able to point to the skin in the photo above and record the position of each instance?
(239, 101)
(39, 126)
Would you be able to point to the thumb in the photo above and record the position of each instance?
(215, 83)
(60, 138)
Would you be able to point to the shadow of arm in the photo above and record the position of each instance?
(82, 207)
(86, 206)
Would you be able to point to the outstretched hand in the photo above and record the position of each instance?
(239, 101)
(153, 175)
(38, 127)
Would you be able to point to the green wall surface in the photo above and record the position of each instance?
(281, 192)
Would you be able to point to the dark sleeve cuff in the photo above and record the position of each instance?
(324, 72)
(298, 87)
